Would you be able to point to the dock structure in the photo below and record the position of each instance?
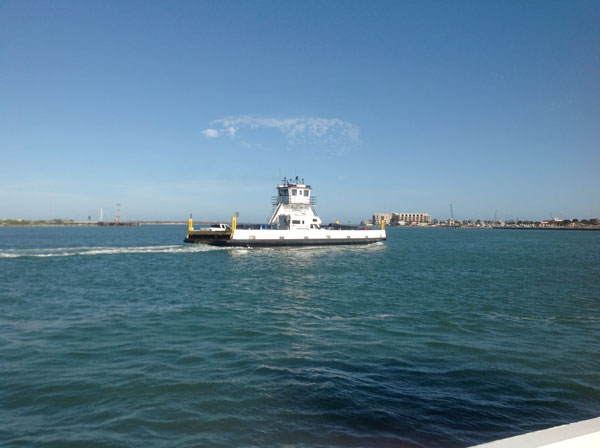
(118, 224)
(585, 434)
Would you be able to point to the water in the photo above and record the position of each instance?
(127, 337)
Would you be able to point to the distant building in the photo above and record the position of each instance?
(396, 219)
(378, 217)
(410, 218)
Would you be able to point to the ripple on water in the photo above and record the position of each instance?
(435, 338)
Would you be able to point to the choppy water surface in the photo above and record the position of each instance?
(127, 337)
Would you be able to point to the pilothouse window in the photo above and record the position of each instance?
(293, 192)
(305, 192)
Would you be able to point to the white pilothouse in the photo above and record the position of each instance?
(293, 207)
(293, 223)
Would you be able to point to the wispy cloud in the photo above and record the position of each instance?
(210, 133)
(295, 130)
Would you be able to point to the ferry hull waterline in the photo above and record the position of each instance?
(293, 223)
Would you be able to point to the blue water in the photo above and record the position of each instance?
(437, 337)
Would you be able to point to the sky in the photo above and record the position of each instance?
(178, 107)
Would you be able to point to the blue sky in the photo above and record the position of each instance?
(171, 108)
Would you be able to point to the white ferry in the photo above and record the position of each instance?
(293, 223)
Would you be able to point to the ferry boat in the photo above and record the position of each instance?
(293, 223)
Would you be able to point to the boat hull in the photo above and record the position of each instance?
(201, 237)
(274, 238)
(278, 243)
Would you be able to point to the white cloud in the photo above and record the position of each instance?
(211, 133)
(296, 130)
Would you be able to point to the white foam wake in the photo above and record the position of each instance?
(94, 250)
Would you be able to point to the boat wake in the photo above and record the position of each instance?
(92, 250)
(47, 252)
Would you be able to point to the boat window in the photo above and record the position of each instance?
(294, 192)
(283, 192)
(314, 219)
(305, 192)
(296, 221)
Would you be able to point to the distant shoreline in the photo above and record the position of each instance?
(52, 223)
(588, 228)
(59, 223)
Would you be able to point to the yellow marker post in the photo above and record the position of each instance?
(233, 223)
(190, 225)
(382, 224)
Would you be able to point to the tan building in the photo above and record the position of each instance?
(378, 217)
(401, 218)
(409, 218)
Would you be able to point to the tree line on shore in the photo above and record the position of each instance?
(37, 222)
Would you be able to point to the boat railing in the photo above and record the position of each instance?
(286, 200)
(336, 226)
(257, 226)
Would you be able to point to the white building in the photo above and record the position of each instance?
(401, 218)
(411, 218)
